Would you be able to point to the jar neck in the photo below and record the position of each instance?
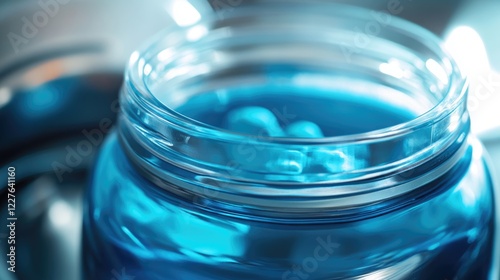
(226, 188)
(181, 155)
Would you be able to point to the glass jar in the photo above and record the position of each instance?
(292, 142)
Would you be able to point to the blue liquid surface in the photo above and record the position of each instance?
(134, 227)
(334, 113)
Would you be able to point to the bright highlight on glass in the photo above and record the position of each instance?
(183, 12)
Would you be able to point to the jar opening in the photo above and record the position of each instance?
(259, 99)
(403, 68)
(297, 107)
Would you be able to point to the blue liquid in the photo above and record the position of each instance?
(440, 232)
(335, 113)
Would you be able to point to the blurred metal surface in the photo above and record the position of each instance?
(60, 72)
(61, 78)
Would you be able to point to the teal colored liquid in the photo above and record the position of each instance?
(336, 113)
(134, 227)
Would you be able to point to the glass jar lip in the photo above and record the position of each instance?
(136, 79)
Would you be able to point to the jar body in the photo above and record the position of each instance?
(132, 227)
(262, 147)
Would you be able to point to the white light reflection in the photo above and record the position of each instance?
(5, 96)
(141, 64)
(467, 48)
(165, 55)
(182, 12)
(397, 272)
(392, 68)
(437, 70)
(134, 57)
(196, 32)
(60, 213)
(148, 69)
(454, 122)
(178, 71)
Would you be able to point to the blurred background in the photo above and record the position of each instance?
(61, 67)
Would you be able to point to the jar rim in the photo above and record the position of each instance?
(454, 94)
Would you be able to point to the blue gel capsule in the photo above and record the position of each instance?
(260, 121)
(304, 129)
(254, 120)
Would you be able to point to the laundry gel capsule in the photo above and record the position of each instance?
(292, 142)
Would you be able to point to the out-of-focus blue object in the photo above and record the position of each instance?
(405, 191)
(61, 78)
